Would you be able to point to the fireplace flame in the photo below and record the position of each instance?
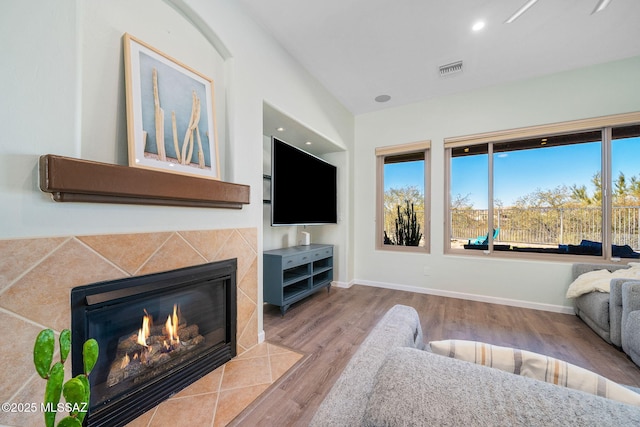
(170, 333)
(145, 353)
(145, 331)
(171, 326)
(125, 361)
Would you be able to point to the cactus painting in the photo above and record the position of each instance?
(184, 143)
(76, 391)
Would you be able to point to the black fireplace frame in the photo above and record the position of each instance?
(123, 409)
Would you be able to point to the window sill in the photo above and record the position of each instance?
(400, 248)
(535, 256)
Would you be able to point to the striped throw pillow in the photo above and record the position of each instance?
(537, 366)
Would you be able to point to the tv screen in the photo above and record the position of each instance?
(303, 187)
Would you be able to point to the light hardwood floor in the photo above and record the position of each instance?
(329, 327)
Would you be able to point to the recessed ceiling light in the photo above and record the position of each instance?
(478, 26)
(280, 129)
(382, 98)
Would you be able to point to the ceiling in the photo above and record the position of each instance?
(359, 49)
(288, 129)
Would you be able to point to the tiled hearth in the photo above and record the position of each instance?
(36, 276)
(218, 397)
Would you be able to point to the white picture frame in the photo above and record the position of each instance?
(170, 113)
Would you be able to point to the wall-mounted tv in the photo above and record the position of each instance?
(303, 187)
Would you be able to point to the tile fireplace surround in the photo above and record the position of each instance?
(36, 276)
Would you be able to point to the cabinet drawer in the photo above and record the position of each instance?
(322, 253)
(294, 260)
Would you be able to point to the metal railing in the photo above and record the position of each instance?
(548, 226)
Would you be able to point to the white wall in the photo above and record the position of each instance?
(38, 83)
(62, 85)
(67, 98)
(63, 93)
(591, 92)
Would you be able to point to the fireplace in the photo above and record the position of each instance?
(157, 333)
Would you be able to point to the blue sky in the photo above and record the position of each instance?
(571, 164)
(398, 175)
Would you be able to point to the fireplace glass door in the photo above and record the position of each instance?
(156, 333)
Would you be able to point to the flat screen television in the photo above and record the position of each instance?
(303, 187)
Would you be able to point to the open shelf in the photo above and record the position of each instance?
(295, 274)
(322, 265)
(322, 278)
(290, 292)
(291, 274)
(76, 180)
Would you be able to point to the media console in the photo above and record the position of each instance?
(291, 274)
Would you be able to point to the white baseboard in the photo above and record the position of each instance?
(461, 295)
(261, 337)
(345, 285)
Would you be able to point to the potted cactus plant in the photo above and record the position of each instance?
(76, 391)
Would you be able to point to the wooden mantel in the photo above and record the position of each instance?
(75, 180)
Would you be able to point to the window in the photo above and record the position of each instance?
(558, 190)
(469, 169)
(402, 197)
(625, 191)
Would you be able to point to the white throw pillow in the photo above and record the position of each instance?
(537, 366)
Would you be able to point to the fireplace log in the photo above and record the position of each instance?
(194, 341)
(164, 331)
(128, 345)
(116, 374)
(133, 359)
(156, 330)
(156, 339)
(188, 332)
(132, 370)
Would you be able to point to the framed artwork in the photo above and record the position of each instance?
(170, 113)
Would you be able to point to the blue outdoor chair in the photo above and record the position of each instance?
(484, 240)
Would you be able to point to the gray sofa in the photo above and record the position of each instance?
(614, 316)
(631, 320)
(601, 311)
(393, 380)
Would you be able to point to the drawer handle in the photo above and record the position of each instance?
(290, 261)
(304, 257)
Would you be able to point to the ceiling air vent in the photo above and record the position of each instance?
(453, 68)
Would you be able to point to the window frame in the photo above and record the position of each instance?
(392, 151)
(603, 124)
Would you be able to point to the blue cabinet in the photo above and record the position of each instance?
(292, 274)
